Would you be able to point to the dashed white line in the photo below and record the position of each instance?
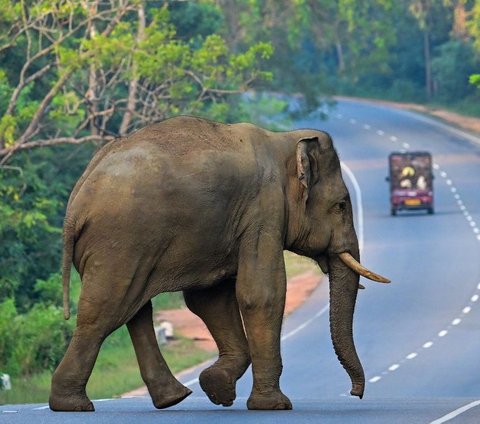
(428, 345)
(456, 321)
(474, 298)
(393, 367)
(366, 126)
(412, 355)
(442, 333)
(467, 309)
(393, 138)
(375, 379)
(380, 132)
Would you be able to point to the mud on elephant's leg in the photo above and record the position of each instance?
(218, 308)
(163, 387)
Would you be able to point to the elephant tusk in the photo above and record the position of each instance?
(360, 269)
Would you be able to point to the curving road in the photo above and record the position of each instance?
(418, 338)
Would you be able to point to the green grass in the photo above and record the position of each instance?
(296, 265)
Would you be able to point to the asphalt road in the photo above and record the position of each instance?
(418, 338)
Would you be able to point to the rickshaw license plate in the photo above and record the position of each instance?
(413, 202)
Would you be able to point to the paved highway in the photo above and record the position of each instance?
(418, 338)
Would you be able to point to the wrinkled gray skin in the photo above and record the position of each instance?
(188, 204)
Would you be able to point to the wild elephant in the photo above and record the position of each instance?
(206, 208)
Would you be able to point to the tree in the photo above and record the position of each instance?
(91, 70)
(473, 26)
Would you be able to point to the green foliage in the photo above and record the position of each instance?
(475, 80)
(34, 341)
(451, 68)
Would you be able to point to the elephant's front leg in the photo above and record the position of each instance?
(163, 387)
(261, 289)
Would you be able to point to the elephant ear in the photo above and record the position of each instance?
(309, 151)
(306, 162)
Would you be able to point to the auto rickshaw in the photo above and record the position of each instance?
(411, 181)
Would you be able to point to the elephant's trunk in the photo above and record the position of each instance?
(344, 283)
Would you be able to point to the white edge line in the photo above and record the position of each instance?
(455, 413)
(191, 382)
(358, 195)
(306, 323)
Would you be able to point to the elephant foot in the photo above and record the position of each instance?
(169, 395)
(275, 400)
(219, 385)
(70, 403)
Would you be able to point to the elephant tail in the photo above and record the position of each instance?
(68, 245)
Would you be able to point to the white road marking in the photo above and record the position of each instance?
(366, 126)
(9, 412)
(40, 408)
(443, 333)
(359, 203)
(393, 367)
(456, 412)
(306, 323)
(353, 121)
(427, 345)
(449, 182)
(380, 132)
(443, 174)
(375, 379)
(191, 382)
(466, 310)
(456, 321)
(474, 298)
(406, 146)
(393, 138)
(411, 355)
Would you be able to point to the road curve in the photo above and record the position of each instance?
(418, 338)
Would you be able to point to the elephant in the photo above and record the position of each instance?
(206, 208)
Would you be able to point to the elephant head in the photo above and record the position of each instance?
(321, 227)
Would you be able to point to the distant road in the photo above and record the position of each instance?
(418, 338)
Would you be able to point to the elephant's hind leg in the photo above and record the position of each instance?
(94, 324)
(218, 308)
(163, 387)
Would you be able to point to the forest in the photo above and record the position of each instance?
(75, 74)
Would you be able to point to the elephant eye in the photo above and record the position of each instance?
(342, 205)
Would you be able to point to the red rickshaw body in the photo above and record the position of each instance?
(411, 181)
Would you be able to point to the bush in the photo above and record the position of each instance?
(34, 341)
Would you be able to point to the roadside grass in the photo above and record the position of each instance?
(296, 265)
